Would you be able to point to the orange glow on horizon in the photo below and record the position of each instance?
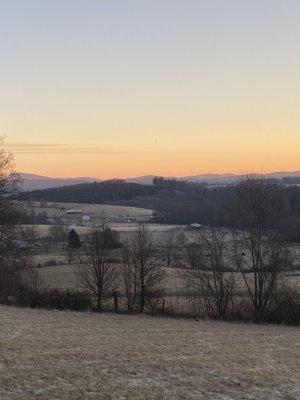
(60, 161)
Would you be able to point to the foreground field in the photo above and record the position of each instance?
(60, 355)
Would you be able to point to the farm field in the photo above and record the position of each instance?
(54, 210)
(43, 230)
(64, 355)
(64, 276)
(57, 273)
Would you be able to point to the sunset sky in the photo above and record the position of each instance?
(122, 88)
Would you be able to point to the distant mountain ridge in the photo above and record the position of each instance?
(40, 182)
(212, 179)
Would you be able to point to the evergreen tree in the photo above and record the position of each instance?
(74, 240)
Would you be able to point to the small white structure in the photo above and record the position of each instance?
(196, 225)
(86, 218)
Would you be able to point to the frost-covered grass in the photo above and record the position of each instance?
(64, 355)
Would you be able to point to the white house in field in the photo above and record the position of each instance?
(86, 218)
(196, 225)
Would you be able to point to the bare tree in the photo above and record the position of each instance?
(261, 255)
(9, 219)
(25, 239)
(211, 278)
(168, 247)
(193, 254)
(9, 216)
(8, 178)
(96, 270)
(130, 278)
(141, 258)
(28, 234)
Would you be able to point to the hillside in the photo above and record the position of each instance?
(97, 192)
(65, 355)
(176, 202)
(38, 182)
(111, 192)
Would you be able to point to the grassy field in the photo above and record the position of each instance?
(120, 227)
(65, 277)
(63, 355)
(105, 211)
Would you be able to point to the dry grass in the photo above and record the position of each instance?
(61, 355)
(108, 211)
(122, 228)
(63, 276)
(58, 277)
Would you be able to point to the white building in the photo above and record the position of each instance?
(86, 218)
(196, 225)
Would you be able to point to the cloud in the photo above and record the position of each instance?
(60, 148)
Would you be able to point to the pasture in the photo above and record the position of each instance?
(64, 355)
(96, 211)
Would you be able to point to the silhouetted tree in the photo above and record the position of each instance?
(74, 240)
(210, 277)
(261, 255)
(96, 270)
(168, 247)
(146, 275)
(193, 254)
(9, 216)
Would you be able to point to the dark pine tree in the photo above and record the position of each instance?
(74, 240)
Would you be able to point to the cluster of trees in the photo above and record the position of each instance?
(257, 250)
(181, 186)
(106, 268)
(213, 208)
(291, 180)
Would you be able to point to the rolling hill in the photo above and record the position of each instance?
(39, 182)
(95, 193)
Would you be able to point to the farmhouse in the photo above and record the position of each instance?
(196, 225)
(86, 218)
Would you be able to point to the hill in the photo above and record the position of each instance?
(174, 202)
(219, 179)
(119, 192)
(30, 182)
(107, 192)
(40, 182)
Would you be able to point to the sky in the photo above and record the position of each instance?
(123, 88)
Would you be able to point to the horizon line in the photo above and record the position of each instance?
(237, 174)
